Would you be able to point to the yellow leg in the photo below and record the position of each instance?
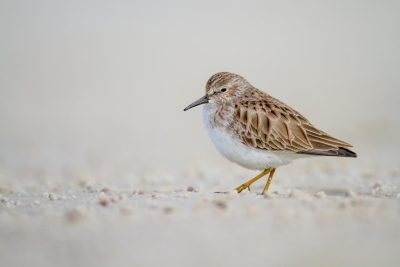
(249, 182)
(269, 180)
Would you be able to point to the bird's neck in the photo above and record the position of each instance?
(218, 114)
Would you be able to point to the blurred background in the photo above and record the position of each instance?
(102, 84)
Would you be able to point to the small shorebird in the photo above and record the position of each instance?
(259, 132)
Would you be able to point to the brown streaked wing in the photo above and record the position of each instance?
(269, 124)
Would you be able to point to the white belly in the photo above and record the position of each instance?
(234, 150)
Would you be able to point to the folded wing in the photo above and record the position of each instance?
(270, 124)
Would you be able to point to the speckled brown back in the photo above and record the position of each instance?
(264, 122)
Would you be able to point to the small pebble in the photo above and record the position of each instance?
(52, 196)
(103, 200)
(91, 189)
(83, 183)
(168, 210)
(191, 189)
(3, 199)
(156, 196)
(377, 186)
(221, 204)
(75, 215)
(107, 190)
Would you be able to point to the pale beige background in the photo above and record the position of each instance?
(104, 82)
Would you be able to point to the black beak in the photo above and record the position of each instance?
(200, 101)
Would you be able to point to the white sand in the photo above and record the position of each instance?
(314, 215)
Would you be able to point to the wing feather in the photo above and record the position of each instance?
(267, 123)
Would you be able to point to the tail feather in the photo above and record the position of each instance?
(341, 152)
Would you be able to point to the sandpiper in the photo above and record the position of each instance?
(257, 131)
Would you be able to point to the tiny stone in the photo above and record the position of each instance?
(82, 183)
(168, 210)
(75, 215)
(191, 189)
(103, 200)
(377, 186)
(52, 196)
(221, 204)
(3, 199)
(114, 199)
(106, 190)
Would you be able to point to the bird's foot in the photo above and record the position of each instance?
(243, 187)
(248, 183)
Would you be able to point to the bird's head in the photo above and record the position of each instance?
(222, 87)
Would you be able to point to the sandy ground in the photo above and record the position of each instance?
(317, 213)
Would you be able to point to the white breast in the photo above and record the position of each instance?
(234, 150)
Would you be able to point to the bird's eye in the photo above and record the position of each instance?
(223, 90)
